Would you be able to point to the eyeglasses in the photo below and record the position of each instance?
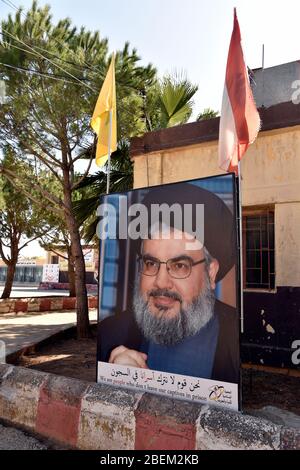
(178, 268)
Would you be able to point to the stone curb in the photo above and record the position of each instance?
(82, 415)
(42, 304)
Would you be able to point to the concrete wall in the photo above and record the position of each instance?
(82, 415)
(178, 164)
(273, 85)
(270, 176)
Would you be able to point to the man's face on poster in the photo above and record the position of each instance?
(175, 298)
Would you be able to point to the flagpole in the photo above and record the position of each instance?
(109, 151)
(241, 248)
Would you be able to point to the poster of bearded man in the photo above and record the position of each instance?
(168, 291)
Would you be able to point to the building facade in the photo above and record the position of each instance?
(271, 209)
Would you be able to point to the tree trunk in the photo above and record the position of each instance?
(71, 275)
(11, 267)
(82, 309)
(83, 324)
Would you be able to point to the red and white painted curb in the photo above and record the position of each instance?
(42, 304)
(94, 416)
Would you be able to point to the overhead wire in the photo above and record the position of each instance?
(33, 51)
(45, 58)
(80, 67)
(34, 71)
(92, 68)
(68, 62)
(10, 4)
(53, 76)
(44, 75)
(18, 9)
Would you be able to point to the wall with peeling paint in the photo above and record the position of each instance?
(270, 168)
(287, 243)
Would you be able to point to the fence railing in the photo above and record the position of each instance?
(24, 274)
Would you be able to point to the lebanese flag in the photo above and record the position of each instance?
(240, 121)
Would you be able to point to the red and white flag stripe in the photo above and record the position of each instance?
(240, 121)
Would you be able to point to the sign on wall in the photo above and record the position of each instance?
(88, 254)
(50, 273)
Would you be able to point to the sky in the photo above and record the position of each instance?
(191, 36)
(188, 35)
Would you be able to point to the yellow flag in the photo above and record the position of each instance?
(101, 117)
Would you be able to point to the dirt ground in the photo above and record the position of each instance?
(77, 359)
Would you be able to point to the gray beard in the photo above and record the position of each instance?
(168, 331)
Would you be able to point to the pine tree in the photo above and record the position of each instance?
(49, 102)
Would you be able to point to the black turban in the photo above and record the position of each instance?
(219, 223)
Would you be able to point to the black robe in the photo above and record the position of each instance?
(122, 329)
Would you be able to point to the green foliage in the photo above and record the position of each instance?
(20, 220)
(41, 110)
(91, 188)
(47, 121)
(166, 104)
(207, 113)
(169, 102)
(48, 107)
(46, 115)
(175, 100)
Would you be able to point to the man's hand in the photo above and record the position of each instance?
(128, 357)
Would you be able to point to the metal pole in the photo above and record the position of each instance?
(241, 248)
(263, 74)
(109, 151)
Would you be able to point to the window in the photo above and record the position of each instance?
(259, 249)
(54, 259)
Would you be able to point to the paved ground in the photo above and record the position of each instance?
(20, 331)
(13, 439)
(32, 291)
